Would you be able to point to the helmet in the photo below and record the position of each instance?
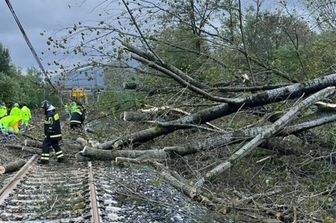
(44, 104)
(51, 108)
(16, 104)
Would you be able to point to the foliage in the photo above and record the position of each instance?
(176, 53)
(119, 101)
(15, 87)
(4, 59)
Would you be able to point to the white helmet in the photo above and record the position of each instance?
(51, 108)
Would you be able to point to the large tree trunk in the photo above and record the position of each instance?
(225, 139)
(273, 129)
(210, 143)
(33, 143)
(100, 154)
(206, 115)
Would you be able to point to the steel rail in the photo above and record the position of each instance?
(7, 189)
(93, 197)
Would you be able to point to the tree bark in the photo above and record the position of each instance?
(12, 166)
(241, 135)
(136, 116)
(274, 128)
(100, 154)
(33, 150)
(33, 143)
(212, 143)
(209, 114)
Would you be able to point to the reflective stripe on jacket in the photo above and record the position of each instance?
(52, 126)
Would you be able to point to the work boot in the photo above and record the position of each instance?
(43, 162)
(60, 160)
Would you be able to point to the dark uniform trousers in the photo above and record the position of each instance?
(52, 131)
(47, 144)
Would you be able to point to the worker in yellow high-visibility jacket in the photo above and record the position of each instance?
(26, 116)
(10, 124)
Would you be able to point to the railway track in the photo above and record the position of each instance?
(93, 192)
(50, 193)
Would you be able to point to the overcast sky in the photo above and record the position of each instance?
(51, 16)
(37, 16)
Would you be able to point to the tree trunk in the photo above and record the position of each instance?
(12, 166)
(100, 154)
(274, 128)
(219, 142)
(206, 115)
(33, 150)
(33, 143)
(241, 135)
(135, 116)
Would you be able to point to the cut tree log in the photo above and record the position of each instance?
(136, 116)
(12, 166)
(25, 148)
(273, 129)
(82, 141)
(12, 146)
(209, 114)
(33, 143)
(100, 154)
(33, 150)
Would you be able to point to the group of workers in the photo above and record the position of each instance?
(19, 118)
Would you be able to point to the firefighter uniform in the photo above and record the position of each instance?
(77, 116)
(52, 131)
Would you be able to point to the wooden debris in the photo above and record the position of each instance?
(12, 166)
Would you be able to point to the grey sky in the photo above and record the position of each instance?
(51, 16)
(37, 16)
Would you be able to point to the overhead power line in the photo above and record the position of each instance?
(29, 44)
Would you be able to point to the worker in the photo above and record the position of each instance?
(53, 134)
(3, 110)
(16, 110)
(67, 109)
(26, 116)
(10, 124)
(77, 116)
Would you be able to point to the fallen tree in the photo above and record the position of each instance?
(257, 140)
(207, 144)
(212, 113)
